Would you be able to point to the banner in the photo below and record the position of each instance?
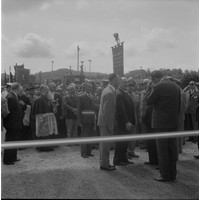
(118, 59)
(46, 125)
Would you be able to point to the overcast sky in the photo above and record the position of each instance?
(156, 33)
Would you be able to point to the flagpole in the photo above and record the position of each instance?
(78, 49)
(9, 74)
(52, 70)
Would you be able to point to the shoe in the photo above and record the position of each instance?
(22, 149)
(109, 168)
(161, 179)
(91, 155)
(8, 163)
(133, 155)
(17, 160)
(197, 156)
(147, 163)
(129, 157)
(129, 162)
(85, 156)
(120, 164)
(157, 168)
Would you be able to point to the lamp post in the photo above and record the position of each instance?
(90, 65)
(78, 49)
(52, 70)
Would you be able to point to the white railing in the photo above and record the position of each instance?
(97, 139)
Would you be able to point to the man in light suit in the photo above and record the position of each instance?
(106, 120)
(165, 98)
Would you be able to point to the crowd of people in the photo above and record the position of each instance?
(114, 107)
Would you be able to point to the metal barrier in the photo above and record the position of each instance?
(69, 141)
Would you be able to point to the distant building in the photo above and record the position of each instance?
(22, 75)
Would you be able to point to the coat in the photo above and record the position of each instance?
(124, 110)
(165, 98)
(106, 115)
(85, 110)
(14, 119)
(70, 103)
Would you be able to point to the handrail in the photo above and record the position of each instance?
(97, 139)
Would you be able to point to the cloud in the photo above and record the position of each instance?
(158, 38)
(95, 50)
(33, 46)
(21, 6)
(102, 49)
(82, 4)
(71, 51)
(153, 40)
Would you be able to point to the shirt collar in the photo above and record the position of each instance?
(113, 88)
(14, 94)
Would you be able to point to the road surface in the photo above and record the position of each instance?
(64, 174)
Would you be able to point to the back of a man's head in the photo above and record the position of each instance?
(112, 77)
(156, 76)
(15, 86)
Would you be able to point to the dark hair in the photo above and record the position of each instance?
(112, 77)
(156, 74)
(15, 86)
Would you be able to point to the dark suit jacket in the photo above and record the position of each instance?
(70, 103)
(42, 105)
(165, 98)
(26, 100)
(13, 120)
(85, 104)
(124, 110)
(58, 98)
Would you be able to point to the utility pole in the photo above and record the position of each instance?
(90, 65)
(78, 49)
(52, 70)
(9, 74)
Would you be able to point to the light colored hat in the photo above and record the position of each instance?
(146, 80)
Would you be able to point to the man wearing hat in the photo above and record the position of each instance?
(7, 90)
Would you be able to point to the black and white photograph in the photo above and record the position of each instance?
(100, 99)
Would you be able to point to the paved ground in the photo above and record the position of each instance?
(63, 174)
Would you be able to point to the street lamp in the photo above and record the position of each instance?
(52, 70)
(90, 65)
(78, 49)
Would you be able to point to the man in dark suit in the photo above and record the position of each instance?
(125, 120)
(24, 103)
(13, 124)
(165, 98)
(56, 101)
(86, 118)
